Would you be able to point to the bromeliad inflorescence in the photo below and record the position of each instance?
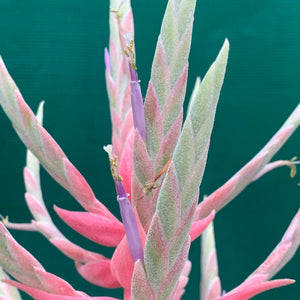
(157, 162)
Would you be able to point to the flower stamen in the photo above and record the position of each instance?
(127, 214)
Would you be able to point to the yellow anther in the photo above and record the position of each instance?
(130, 48)
(114, 168)
(117, 11)
(130, 54)
(113, 162)
(5, 220)
(293, 167)
(126, 52)
(132, 64)
(114, 174)
(293, 171)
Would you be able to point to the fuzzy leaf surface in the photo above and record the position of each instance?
(164, 99)
(237, 183)
(43, 146)
(169, 230)
(210, 281)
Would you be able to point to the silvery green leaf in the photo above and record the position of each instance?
(168, 234)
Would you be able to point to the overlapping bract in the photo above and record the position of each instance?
(162, 174)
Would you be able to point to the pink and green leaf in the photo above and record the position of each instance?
(258, 282)
(98, 273)
(43, 146)
(20, 264)
(7, 292)
(284, 251)
(183, 177)
(37, 294)
(95, 227)
(256, 285)
(210, 282)
(165, 95)
(43, 222)
(251, 170)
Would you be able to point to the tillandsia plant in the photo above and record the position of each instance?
(157, 161)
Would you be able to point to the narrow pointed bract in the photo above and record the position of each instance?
(210, 287)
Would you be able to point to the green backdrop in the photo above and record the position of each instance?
(54, 51)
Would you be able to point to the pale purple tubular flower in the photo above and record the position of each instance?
(107, 60)
(127, 214)
(137, 103)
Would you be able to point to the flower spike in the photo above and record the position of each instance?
(157, 163)
(127, 214)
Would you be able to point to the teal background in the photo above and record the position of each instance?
(54, 51)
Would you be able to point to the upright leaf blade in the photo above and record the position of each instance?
(165, 96)
(197, 131)
(210, 282)
(169, 65)
(170, 226)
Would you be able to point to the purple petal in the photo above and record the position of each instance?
(128, 218)
(107, 60)
(131, 229)
(137, 103)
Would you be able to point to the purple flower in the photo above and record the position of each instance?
(127, 214)
(136, 93)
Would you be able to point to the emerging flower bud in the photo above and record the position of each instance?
(136, 93)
